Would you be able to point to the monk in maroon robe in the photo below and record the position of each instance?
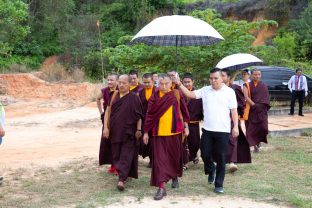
(105, 153)
(122, 124)
(257, 95)
(167, 117)
(195, 107)
(135, 86)
(145, 95)
(238, 148)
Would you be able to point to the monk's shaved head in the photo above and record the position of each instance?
(112, 80)
(164, 83)
(256, 75)
(125, 76)
(124, 83)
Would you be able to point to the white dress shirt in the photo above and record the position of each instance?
(302, 83)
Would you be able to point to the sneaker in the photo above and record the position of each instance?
(300, 115)
(291, 114)
(233, 167)
(161, 192)
(175, 183)
(218, 190)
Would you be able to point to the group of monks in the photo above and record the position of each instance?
(156, 119)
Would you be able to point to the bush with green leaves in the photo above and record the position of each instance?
(13, 27)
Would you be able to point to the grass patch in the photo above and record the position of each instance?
(279, 174)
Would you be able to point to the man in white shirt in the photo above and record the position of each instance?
(299, 89)
(218, 102)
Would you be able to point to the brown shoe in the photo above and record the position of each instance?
(233, 167)
(121, 186)
(161, 192)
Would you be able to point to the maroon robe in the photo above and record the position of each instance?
(238, 148)
(125, 112)
(138, 88)
(105, 153)
(166, 150)
(195, 107)
(145, 150)
(257, 124)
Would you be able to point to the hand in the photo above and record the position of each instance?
(176, 79)
(2, 132)
(145, 138)
(106, 133)
(186, 132)
(306, 93)
(235, 132)
(138, 134)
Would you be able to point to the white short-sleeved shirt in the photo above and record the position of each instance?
(217, 105)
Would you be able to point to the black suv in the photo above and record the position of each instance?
(276, 78)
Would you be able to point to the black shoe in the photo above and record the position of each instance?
(161, 192)
(291, 114)
(218, 190)
(1, 178)
(256, 149)
(300, 115)
(175, 183)
(212, 176)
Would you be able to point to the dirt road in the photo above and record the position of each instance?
(50, 138)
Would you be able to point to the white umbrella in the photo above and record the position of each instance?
(177, 30)
(238, 61)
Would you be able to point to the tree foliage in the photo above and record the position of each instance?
(13, 27)
(303, 27)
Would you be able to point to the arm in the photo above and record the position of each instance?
(138, 132)
(105, 129)
(248, 100)
(234, 114)
(2, 132)
(306, 86)
(98, 103)
(186, 92)
(186, 129)
(289, 84)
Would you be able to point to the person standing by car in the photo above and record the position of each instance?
(299, 89)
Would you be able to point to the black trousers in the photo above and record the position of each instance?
(294, 96)
(214, 143)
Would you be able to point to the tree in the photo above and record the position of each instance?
(303, 27)
(13, 27)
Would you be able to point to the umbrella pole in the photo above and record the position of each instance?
(177, 55)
